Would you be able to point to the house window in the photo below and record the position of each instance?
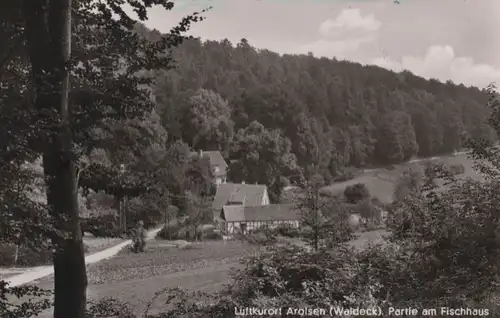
(216, 169)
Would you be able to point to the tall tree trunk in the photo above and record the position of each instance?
(48, 34)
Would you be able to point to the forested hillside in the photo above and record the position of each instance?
(332, 113)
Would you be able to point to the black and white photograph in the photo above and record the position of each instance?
(249, 158)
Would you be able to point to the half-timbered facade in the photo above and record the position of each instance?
(238, 194)
(241, 219)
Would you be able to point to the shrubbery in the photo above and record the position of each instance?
(12, 307)
(288, 231)
(344, 174)
(305, 231)
(356, 193)
(456, 169)
(103, 221)
(146, 209)
(108, 307)
(260, 236)
(187, 233)
(27, 256)
(101, 226)
(212, 234)
(170, 232)
(108, 225)
(369, 213)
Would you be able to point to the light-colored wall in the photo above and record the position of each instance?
(231, 227)
(265, 198)
(220, 180)
(354, 219)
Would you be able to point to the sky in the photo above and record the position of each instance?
(456, 40)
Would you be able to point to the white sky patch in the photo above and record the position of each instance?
(440, 62)
(349, 19)
(360, 31)
(343, 36)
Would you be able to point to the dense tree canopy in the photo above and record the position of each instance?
(206, 121)
(262, 156)
(336, 113)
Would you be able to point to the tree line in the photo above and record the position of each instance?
(331, 114)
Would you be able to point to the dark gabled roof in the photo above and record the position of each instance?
(233, 213)
(216, 160)
(249, 194)
(270, 212)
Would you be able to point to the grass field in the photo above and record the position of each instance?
(135, 278)
(205, 267)
(380, 182)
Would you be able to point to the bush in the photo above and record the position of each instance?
(211, 233)
(368, 212)
(101, 226)
(345, 175)
(261, 236)
(108, 307)
(213, 236)
(187, 233)
(169, 232)
(288, 231)
(144, 209)
(183, 233)
(356, 193)
(457, 169)
(27, 256)
(305, 231)
(13, 300)
(100, 202)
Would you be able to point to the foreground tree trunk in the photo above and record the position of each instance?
(48, 35)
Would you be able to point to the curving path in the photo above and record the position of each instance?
(43, 271)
